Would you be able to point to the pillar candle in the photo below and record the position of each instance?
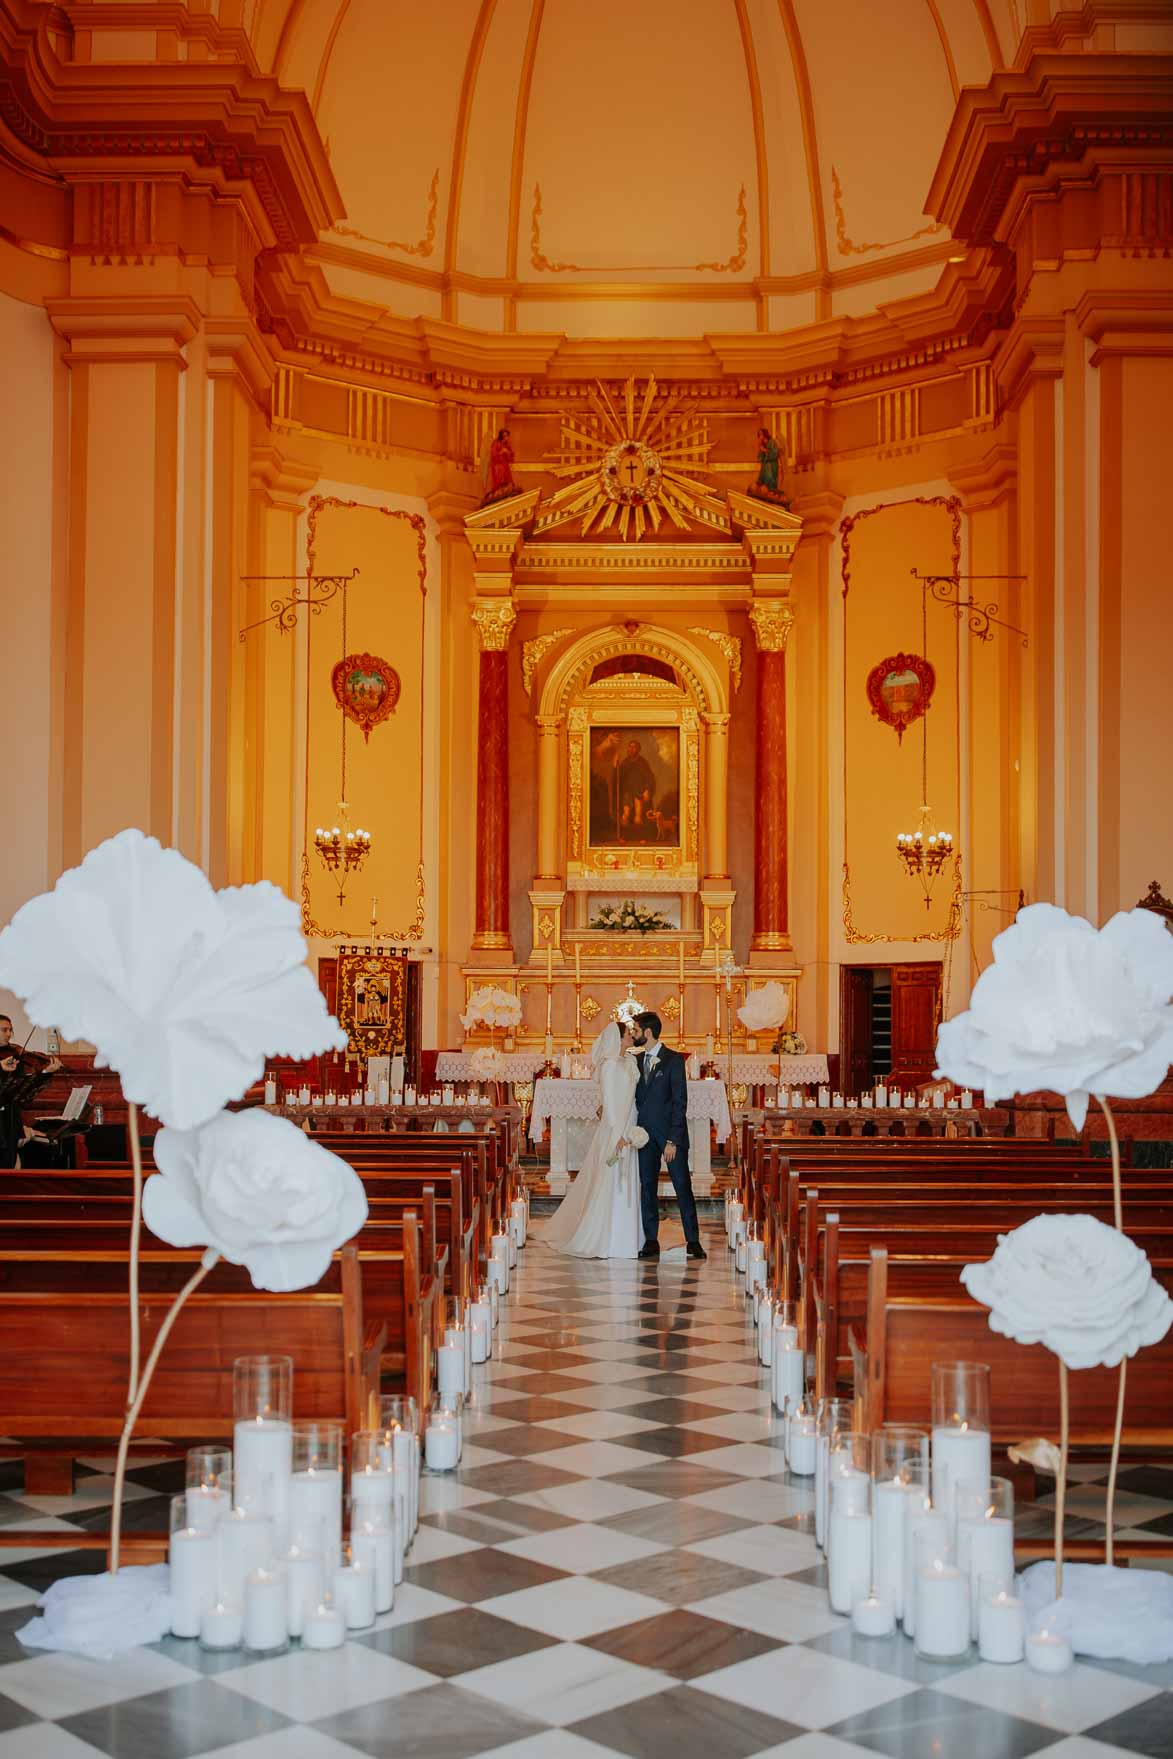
(787, 1376)
(892, 1504)
(1048, 1652)
(482, 1335)
(206, 1505)
(371, 1488)
(942, 1611)
(766, 1336)
(917, 1522)
(244, 1543)
(324, 1628)
(305, 1583)
(195, 1576)
(822, 1451)
(1001, 1628)
(373, 1545)
(266, 1616)
(873, 1617)
(316, 1495)
(984, 1548)
(849, 1558)
(803, 1446)
(354, 1592)
(959, 1453)
(442, 1445)
(222, 1626)
(262, 1464)
(450, 1368)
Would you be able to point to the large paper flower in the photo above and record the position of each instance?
(765, 1008)
(260, 1192)
(181, 989)
(491, 1006)
(1067, 1007)
(1080, 1288)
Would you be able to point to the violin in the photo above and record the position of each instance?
(28, 1062)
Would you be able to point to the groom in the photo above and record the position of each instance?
(661, 1101)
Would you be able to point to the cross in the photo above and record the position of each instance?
(631, 467)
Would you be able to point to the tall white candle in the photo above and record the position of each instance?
(450, 1367)
(802, 1446)
(787, 1376)
(849, 1558)
(262, 1463)
(266, 1613)
(315, 1495)
(822, 1450)
(958, 1453)
(354, 1590)
(244, 1542)
(373, 1545)
(443, 1445)
(984, 1548)
(918, 1521)
(206, 1505)
(371, 1488)
(195, 1576)
(942, 1611)
(890, 1504)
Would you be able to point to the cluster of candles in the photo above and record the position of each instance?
(883, 1098)
(260, 1549)
(257, 1551)
(379, 1093)
(914, 1528)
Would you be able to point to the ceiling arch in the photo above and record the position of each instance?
(532, 165)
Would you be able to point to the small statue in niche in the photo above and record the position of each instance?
(499, 483)
(767, 486)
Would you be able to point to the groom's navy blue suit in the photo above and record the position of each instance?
(661, 1104)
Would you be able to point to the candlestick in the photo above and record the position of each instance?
(577, 963)
(681, 952)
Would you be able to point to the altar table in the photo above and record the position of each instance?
(570, 1107)
(513, 1066)
(810, 1069)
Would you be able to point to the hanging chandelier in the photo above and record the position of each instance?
(924, 851)
(341, 849)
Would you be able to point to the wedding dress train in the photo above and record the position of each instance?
(600, 1215)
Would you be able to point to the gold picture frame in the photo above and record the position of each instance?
(634, 711)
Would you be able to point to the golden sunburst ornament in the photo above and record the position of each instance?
(630, 466)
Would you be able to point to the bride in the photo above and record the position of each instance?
(600, 1215)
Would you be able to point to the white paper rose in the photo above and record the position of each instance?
(486, 1063)
(260, 1192)
(181, 989)
(765, 1008)
(1074, 1285)
(491, 1006)
(1067, 1007)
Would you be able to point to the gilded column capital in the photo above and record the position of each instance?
(771, 620)
(716, 723)
(549, 726)
(494, 619)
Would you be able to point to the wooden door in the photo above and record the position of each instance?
(855, 1029)
(916, 1008)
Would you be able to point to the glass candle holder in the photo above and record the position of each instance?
(925, 1527)
(849, 1531)
(983, 1511)
(765, 1322)
(832, 1414)
(442, 1439)
(1001, 1619)
(942, 1597)
(801, 1437)
(208, 1476)
(315, 1485)
(262, 1397)
(900, 1490)
(961, 1427)
(372, 1477)
(194, 1557)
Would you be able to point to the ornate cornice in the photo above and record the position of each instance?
(772, 620)
(494, 619)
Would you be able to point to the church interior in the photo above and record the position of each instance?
(617, 512)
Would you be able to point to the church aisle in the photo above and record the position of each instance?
(620, 1566)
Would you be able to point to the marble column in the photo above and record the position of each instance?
(771, 620)
(549, 744)
(494, 619)
(716, 796)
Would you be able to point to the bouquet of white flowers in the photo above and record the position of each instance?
(492, 1007)
(637, 1139)
(629, 918)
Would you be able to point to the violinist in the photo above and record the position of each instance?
(17, 1059)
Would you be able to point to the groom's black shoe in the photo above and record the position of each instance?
(650, 1249)
(696, 1250)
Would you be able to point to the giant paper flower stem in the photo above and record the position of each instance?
(136, 1227)
(1118, 1428)
(209, 1259)
(1061, 1482)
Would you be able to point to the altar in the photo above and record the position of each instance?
(571, 1107)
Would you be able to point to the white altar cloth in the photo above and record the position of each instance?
(569, 1107)
(514, 1066)
(811, 1067)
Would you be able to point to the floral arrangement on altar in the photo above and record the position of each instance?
(629, 918)
(789, 1044)
(1085, 1013)
(486, 1063)
(184, 992)
(492, 1007)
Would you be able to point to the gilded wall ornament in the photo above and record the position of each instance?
(534, 651)
(366, 689)
(900, 690)
(590, 1008)
(771, 620)
(494, 619)
(728, 646)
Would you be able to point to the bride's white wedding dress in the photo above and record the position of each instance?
(600, 1215)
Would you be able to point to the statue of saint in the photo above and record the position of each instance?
(769, 463)
(500, 469)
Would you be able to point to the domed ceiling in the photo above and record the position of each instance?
(633, 167)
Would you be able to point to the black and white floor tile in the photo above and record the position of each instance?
(621, 1566)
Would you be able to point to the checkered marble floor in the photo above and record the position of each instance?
(621, 1566)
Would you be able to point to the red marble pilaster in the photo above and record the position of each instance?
(492, 905)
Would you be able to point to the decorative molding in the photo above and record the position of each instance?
(729, 646)
(426, 244)
(772, 620)
(494, 619)
(534, 651)
(733, 264)
(848, 247)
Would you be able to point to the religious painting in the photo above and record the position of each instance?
(634, 787)
(366, 689)
(900, 690)
(372, 1002)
